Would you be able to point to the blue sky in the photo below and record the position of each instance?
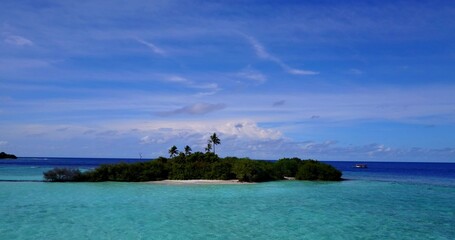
(329, 80)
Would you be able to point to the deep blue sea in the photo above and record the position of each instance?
(383, 201)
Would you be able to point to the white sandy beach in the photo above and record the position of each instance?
(198, 182)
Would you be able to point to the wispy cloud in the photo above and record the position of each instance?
(196, 109)
(208, 90)
(253, 75)
(297, 71)
(2, 143)
(18, 40)
(261, 52)
(178, 79)
(206, 87)
(410, 105)
(152, 46)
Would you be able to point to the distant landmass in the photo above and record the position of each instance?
(199, 165)
(4, 155)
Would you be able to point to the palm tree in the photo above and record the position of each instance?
(209, 147)
(215, 141)
(187, 150)
(173, 151)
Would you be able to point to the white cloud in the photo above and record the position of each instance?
(262, 53)
(196, 109)
(2, 143)
(209, 88)
(145, 140)
(153, 140)
(378, 149)
(152, 46)
(259, 49)
(253, 75)
(18, 40)
(238, 138)
(248, 130)
(178, 79)
(207, 93)
(298, 71)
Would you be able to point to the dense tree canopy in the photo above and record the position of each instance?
(200, 165)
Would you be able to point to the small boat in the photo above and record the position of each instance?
(360, 165)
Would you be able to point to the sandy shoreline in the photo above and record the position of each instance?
(197, 182)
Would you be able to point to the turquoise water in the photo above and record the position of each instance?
(276, 210)
(354, 209)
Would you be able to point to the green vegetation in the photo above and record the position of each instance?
(188, 150)
(63, 175)
(198, 165)
(307, 169)
(209, 147)
(4, 155)
(214, 140)
(288, 166)
(314, 170)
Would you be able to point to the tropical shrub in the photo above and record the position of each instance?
(288, 167)
(314, 170)
(63, 175)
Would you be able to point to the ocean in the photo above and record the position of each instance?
(383, 201)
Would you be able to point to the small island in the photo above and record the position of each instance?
(198, 165)
(4, 155)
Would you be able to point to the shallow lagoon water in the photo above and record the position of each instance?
(361, 208)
